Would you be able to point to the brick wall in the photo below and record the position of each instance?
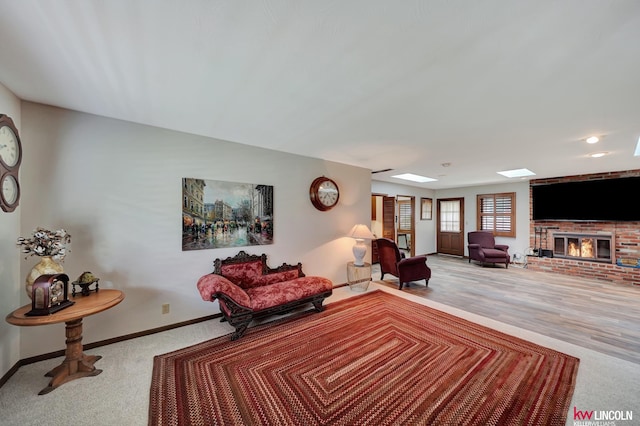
(626, 239)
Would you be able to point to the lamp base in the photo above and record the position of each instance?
(359, 251)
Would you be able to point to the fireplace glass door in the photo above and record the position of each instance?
(604, 249)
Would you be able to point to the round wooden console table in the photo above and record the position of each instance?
(76, 364)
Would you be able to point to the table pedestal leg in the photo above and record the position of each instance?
(76, 364)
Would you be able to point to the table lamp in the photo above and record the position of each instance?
(360, 232)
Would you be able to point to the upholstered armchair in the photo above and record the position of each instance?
(394, 263)
(483, 248)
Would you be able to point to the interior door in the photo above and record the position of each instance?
(383, 210)
(389, 218)
(450, 234)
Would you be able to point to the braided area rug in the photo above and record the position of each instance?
(373, 359)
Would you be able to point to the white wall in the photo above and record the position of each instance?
(116, 187)
(9, 256)
(425, 242)
(516, 245)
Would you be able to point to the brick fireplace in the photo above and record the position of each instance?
(587, 249)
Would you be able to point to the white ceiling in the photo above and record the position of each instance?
(409, 85)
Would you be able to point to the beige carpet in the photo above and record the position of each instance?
(120, 395)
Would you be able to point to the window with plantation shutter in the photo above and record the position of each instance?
(496, 213)
(404, 216)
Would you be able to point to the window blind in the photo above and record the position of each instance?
(497, 213)
(404, 216)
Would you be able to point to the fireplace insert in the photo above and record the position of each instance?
(591, 247)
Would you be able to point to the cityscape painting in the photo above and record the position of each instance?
(218, 214)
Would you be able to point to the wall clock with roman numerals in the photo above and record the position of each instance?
(324, 193)
(10, 158)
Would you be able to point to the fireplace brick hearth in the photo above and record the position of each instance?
(625, 237)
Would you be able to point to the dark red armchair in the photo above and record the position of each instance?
(483, 248)
(406, 269)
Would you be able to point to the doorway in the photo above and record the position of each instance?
(406, 219)
(393, 218)
(450, 226)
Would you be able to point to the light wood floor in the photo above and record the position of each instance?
(593, 314)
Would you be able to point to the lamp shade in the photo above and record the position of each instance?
(361, 232)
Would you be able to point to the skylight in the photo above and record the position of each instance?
(593, 139)
(517, 173)
(414, 178)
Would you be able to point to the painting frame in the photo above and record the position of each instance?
(426, 208)
(222, 214)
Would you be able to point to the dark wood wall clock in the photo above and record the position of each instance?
(10, 158)
(324, 193)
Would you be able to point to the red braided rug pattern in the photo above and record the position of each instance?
(375, 359)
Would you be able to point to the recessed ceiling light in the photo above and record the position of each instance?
(414, 178)
(598, 154)
(517, 173)
(593, 139)
(637, 153)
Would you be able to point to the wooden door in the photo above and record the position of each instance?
(450, 222)
(387, 221)
(389, 218)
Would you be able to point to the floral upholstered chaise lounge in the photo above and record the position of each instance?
(247, 289)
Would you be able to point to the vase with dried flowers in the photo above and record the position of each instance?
(51, 246)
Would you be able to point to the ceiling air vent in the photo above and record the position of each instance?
(380, 171)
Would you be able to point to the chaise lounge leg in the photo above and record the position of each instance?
(317, 304)
(241, 324)
(240, 329)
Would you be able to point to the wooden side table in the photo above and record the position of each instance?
(76, 363)
(358, 277)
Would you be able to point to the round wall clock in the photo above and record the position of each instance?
(10, 193)
(10, 158)
(324, 193)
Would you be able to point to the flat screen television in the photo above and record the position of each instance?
(592, 200)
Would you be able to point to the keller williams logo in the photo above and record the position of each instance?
(600, 417)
